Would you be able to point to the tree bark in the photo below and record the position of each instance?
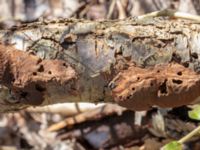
(137, 63)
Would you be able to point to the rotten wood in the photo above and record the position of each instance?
(99, 52)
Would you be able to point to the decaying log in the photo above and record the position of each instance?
(104, 60)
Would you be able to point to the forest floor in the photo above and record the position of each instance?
(98, 127)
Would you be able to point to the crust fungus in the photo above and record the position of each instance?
(166, 85)
(29, 78)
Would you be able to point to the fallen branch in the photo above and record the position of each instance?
(98, 53)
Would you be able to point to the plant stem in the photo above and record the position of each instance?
(188, 136)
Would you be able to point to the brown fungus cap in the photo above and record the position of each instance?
(167, 85)
(29, 78)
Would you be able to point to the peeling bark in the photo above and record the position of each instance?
(99, 52)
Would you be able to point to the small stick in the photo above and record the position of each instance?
(188, 136)
(171, 13)
(95, 114)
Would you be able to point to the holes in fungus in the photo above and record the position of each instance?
(49, 72)
(179, 73)
(177, 81)
(40, 88)
(41, 68)
(65, 65)
(128, 97)
(163, 87)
